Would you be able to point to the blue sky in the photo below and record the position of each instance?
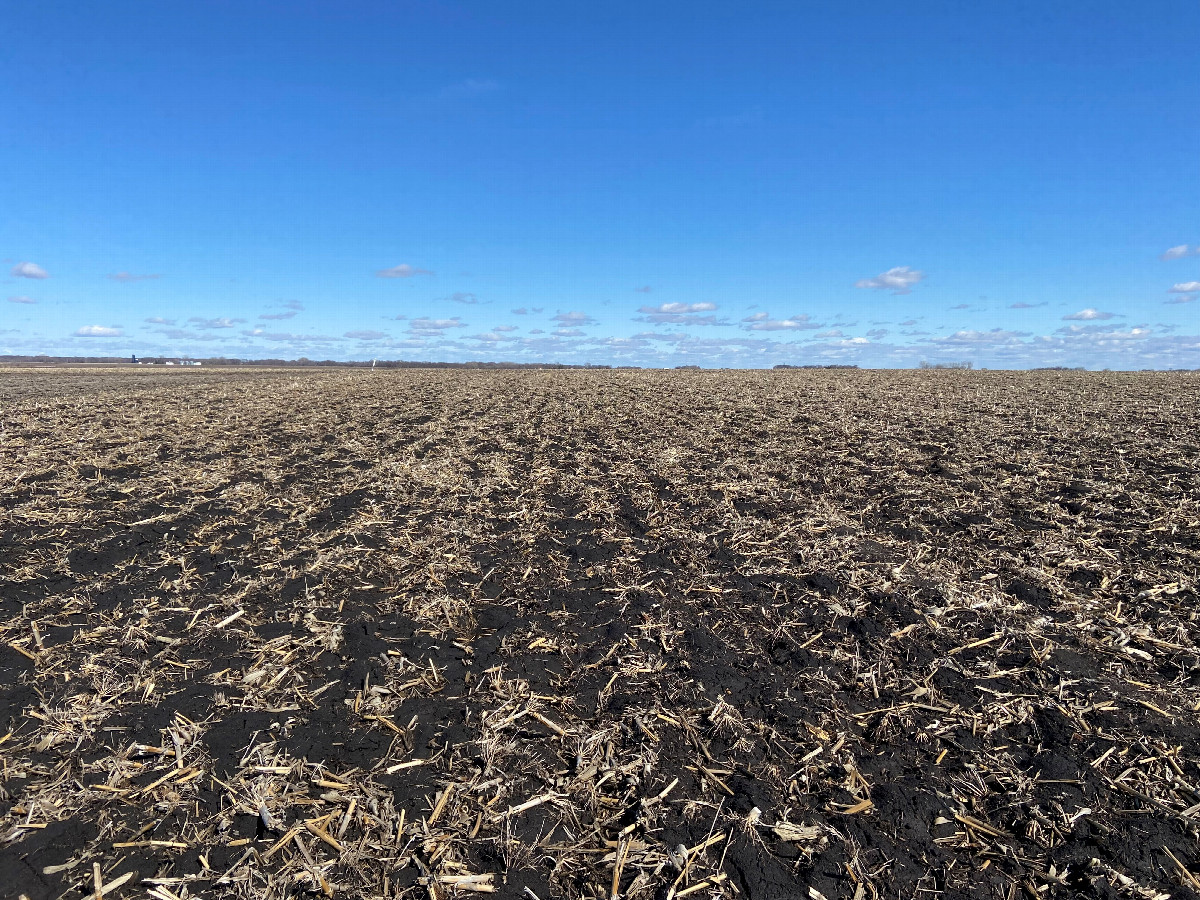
(651, 183)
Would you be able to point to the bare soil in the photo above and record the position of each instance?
(591, 634)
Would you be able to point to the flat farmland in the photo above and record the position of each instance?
(589, 634)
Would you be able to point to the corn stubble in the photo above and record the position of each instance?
(435, 634)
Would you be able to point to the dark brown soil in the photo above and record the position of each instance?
(838, 634)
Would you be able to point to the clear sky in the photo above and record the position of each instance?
(655, 183)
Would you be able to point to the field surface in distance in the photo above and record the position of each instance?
(429, 634)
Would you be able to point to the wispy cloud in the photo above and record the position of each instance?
(678, 308)
(763, 322)
(426, 327)
(292, 307)
(463, 297)
(659, 336)
(1185, 287)
(1025, 305)
(367, 335)
(159, 320)
(567, 332)
(97, 331)
(898, 280)
(644, 289)
(976, 338)
(21, 300)
(1181, 298)
(1110, 331)
(468, 88)
(28, 270)
(677, 314)
(214, 323)
(1087, 315)
(1177, 252)
(404, 270)
(287, 337)
(181, 334)
(961, 306)
(129, 276)
(573, 318)
(506, 328)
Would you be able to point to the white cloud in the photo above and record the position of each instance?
(425, 322)
(677, 314)
(573, 318)
(1181, 298)
(129, 276)
(520, 311)
(220, 322)
(678, 308)
(180, 334)
(832, 333)
(292, 307)
(426, 327)
(97, 331)
(506, 328)
(283, 336)
(1025, 305)
(365, 335)
(1185, 287)
(994, 336)
(21, 300)
(159, 320)
(404, 270)
(1106, 332)
(29, 270)
(1176, 252)
(898, 280)
(463, 297)
(568, 332)
(491, 337)
(961, 306)
(763, 322)
(657, 336)
(1088, 315)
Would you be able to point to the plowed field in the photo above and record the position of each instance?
(588, 634)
